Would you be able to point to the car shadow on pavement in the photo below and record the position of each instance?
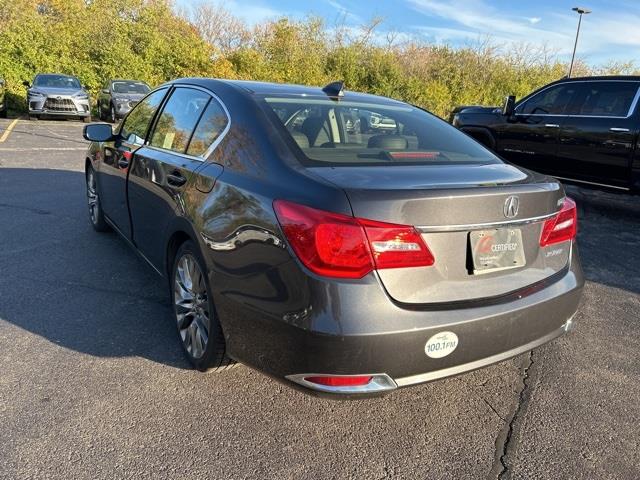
(608, 239)
(80, 289)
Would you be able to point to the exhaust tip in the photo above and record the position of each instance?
(345, 384)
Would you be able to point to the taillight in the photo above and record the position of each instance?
(396, 246)
(563, 226)
(336, 245)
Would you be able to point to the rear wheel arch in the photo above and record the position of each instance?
(176, 239)
(481, 135)
(179, 231)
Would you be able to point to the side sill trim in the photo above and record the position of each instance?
(593, 183)
(132, 245)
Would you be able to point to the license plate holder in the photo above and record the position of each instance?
(496, 249)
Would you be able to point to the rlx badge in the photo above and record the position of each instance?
(511, 206)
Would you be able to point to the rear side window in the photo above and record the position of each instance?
(178, 119)
(135, 126)
(213, 122)
(355, 133)
(552, 101)
(606, 99)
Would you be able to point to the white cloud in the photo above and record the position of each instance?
(601, 36)
(254, 13)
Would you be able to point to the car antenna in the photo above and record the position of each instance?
(335, 90)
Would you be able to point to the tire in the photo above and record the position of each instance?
(96, 216)
(100, 113)
(112, 114)
(86, 119)
(199, 329)
(33, 117)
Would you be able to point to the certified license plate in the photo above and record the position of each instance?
(494, 250)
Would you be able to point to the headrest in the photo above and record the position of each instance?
(300, 138)
(388, 142)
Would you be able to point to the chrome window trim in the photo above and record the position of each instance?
(632, 107)
(171, 152)
(216, 142)
(482, 226)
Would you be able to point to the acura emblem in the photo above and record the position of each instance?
(511, 205)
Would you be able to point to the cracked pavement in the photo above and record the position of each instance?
(93, 383)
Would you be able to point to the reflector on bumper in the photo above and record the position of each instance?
(370, 383)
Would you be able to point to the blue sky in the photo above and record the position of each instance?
(611, 32)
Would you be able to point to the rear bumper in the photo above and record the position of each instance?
(356, 329)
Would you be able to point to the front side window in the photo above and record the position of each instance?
(178, 119)
(353, 133)
(211, 125)
(551, 101)
(135, 125)
(606, 99)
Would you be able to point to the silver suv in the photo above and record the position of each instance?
(58, 95)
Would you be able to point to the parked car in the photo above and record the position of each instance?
(339, 265)
(579, 129)
(3, 98)
(372, 121)
(118, 97)
(53, 94)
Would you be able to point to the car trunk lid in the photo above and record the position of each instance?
(460, 211)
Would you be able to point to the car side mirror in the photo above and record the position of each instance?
(98, 132)
(509, 106)
(105, 91)
(26, 84)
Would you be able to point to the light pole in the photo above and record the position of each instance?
(581, 11)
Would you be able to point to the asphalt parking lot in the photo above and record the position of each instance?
(93, 383)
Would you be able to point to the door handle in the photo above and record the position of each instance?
(552, 125)
(176, 179)
(620, 130)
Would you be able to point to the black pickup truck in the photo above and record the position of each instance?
(579, 129)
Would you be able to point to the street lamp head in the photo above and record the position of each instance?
(581, 10)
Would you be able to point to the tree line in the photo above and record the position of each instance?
(154, 41)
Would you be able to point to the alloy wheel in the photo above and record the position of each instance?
(191, 306)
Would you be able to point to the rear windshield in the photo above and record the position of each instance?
(130, 87)
(349, 133)
(56, 81)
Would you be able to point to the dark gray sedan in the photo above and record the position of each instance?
(341, 261)
(118, 97)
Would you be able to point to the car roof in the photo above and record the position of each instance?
(634, 78)
(268, 88)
